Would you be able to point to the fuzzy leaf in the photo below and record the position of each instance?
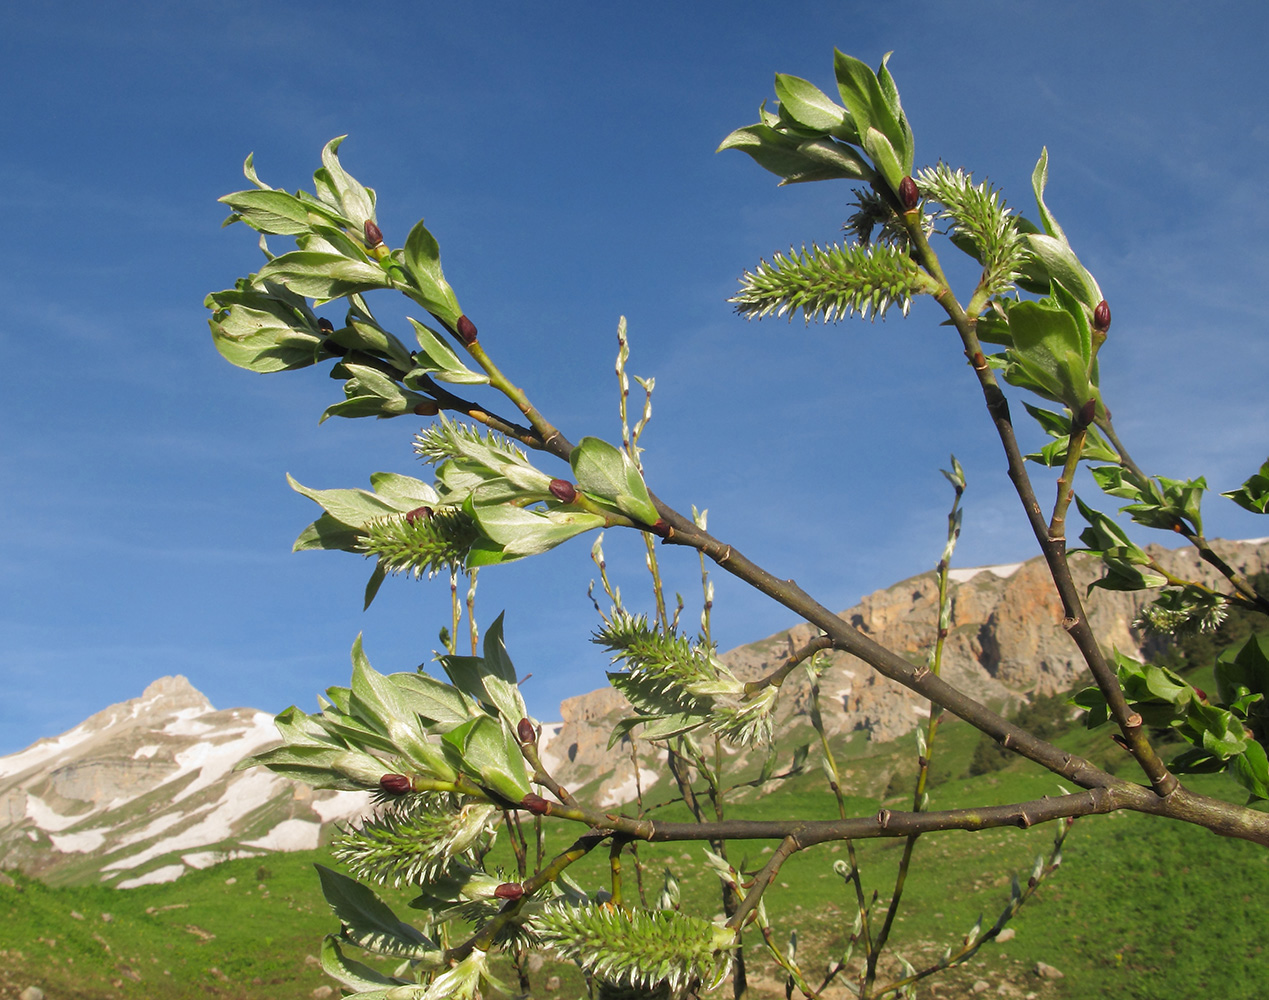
(369, 922)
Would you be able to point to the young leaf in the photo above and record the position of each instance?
(368, 922)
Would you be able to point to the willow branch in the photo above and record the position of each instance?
(1053, 547)
(777, 676)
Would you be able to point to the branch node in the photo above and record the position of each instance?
(1133, 721)
(883, 818)
(1069, 623)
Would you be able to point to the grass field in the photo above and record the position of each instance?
(1140, 908)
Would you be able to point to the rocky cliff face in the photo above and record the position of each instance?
(145, 790)
(1006, 643)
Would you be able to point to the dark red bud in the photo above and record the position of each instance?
(466, 330)
(563, 490)
(1202, 695)
(325, 325)
(1101, 317)
(535, 804)
(909, 194)
(427, 408)
(509, 890)
(526, 732)
(395, 784)
(1088, 412)
(419, 514)
(661, 528)
(374, 235)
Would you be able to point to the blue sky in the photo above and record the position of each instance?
(563, 156)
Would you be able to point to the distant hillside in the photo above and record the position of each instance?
(1006, 643)
(145, 790)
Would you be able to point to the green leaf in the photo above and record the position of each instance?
(1253, 495)
(265, 328)
(351, 507)
(322, 766)
(608, 473)
(1051, 260)
(274, 212)
(808, 105)
(491, 678)
(1047, 345)
(323, 276)
(355, 975)
(328, 533)
(1244, 669)
(784, 156)
(439, 705)
(356, 202)
(861, 93)
(369, 922)
(515, 532)
(1040, 180)
(1251, 769)
(377, 700)
(826, 154)
(884, 158)
(489, 748)
(404, 492)
(437, 359)
(423, 263)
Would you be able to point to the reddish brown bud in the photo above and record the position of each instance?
(1202, 695)
(563, 490)
(1101, 317)
(325, 325)
(395, 784)
(466, 330)
(535, 804)
(509, 890)
(419, 514)
(526, 732)
(427, 408)
(1088, 412)
(374, 235)
(909, 194)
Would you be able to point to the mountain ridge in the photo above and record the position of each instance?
(144, 790)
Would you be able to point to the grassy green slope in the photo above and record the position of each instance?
(1140, 908)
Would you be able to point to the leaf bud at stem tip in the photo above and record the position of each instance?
(374, 235)
(526, 732)
(509, 890)
(427, 408)
(419, 514)
(466, 330)
(909, 194)
(1101, 317)
(563, 490)
(395, 784)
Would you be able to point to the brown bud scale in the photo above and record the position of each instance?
(374, 235)
(509, 890)
(466, 330)
(535, 804)
(419, 514)
(395, 784)
(909, 194)
(526, 732)
(1101, 317)
(563, 490)
(426, 408)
